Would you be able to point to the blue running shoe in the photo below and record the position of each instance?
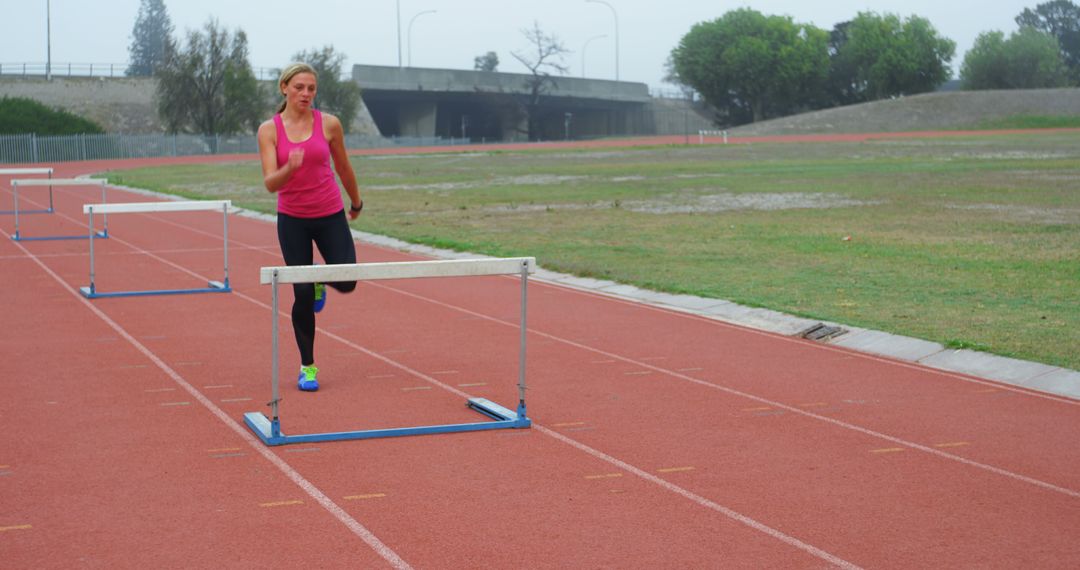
(320, 297)
(307, 381)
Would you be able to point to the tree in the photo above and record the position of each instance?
(1061, 19)
(753, 67)
(883, 56)
(19, 115)
(1029, 59)
(208, 86)
(487, 62)
(149, 38)
(546, 59)
(336, 96)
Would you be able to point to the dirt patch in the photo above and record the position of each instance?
(706, 204)
(1026, 214)
(710, 203)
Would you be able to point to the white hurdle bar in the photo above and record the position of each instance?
(51, 182)
(269, 429)
(25, 171)
(223, 206)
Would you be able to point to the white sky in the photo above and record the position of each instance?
(99, 31)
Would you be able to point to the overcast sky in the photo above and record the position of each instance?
(99, 31)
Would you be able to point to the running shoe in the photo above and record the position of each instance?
(320, 297)
(307, 381)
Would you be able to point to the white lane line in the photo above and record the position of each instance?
(702, 501)
(831, 348)
(339, 513)
(734, 392)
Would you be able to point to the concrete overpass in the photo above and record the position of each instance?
(484, 105)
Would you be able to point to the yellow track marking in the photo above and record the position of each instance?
(952, 444)
(674, 469)
(814, 404)
(16, 527)
(218, 386)
(415, 388)
(175, 404)
(223, 449)
(363, 497)
(568, 424)
(638, 373)
(888, 450)
(604, 476)
(281, 503)
(757, 409)
(156, 390)
(472, 384)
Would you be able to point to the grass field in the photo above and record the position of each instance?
(971, 242)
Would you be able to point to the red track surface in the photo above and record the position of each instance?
(661, 440)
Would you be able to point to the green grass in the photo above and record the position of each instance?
(1032, 122)
(972, 242)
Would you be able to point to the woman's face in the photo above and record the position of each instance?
(300, 91)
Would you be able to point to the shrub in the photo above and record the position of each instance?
(19, 115)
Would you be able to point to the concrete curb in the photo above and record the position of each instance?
(1031, 375)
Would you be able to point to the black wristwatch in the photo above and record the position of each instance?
(357, 208)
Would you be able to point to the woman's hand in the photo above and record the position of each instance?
(354, 210)
(296, 158)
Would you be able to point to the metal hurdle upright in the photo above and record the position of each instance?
(23, 171)
(51, 182)
(222, 286)
(269, 429)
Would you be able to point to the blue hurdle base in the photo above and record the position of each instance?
(17, 237)
(215, 287)
(270, 431)
(12, 212)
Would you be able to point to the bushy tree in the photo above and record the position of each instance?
(487, 62)
(1029, 59)
(1061, 19)
(752, 67)
(881, 56)
(149, 38)
(19, 115)
(208, 86)
(336, 96)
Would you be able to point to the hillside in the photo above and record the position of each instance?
(930, 111)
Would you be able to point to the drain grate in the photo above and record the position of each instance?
(822, 332)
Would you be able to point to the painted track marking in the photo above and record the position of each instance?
(842, 424)
(336, 510)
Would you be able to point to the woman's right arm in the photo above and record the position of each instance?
(273, 177)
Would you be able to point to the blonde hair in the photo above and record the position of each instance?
(287, 74)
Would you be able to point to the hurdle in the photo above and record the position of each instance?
(222, 286)
(269, 429)
(50, 182)
(22, 171)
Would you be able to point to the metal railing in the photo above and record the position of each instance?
(30, 148)
(72, 69)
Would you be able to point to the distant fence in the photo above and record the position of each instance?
(63, 148)
(36, 69)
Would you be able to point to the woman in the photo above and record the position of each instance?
(295, 148)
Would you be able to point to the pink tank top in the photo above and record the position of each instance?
(311, 191)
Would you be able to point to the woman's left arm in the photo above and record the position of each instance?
(335, 136)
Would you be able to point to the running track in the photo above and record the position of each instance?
(660, 439)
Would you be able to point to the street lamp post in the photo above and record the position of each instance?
(616, 14)
(410, 31)
(48, 40)
(399, 34)
(583, 48)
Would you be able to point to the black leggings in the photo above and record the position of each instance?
(332, 236)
